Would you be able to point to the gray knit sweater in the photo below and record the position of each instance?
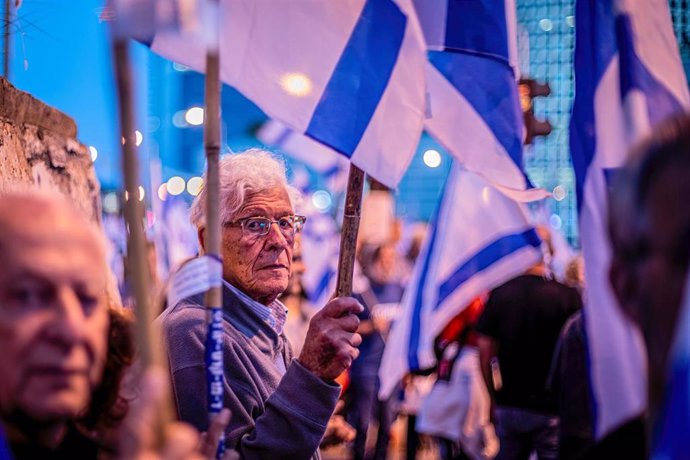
(274, 416)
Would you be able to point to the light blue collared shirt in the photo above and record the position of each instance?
(274, 314)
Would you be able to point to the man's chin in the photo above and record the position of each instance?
(56, 406)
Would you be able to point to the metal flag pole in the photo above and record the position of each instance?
(348, 237)
(213, 298)
(6, 41)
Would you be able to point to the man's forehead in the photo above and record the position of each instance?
(53, 234)
(274, 199)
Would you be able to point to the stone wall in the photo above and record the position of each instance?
(38, 145)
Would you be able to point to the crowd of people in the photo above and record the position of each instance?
(511, 379)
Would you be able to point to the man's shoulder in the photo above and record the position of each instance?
(566, 294)
(185, 312)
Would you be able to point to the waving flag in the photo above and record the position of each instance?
(348, 74)
(628, 78)
(479, 239)
(472, 80)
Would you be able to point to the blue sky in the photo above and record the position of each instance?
(61, 55)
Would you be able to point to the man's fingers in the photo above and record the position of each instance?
(348, 323)
(339, 406)
(137, 432)
(341, 306)
(181, 442)
(355, 340)
(211, 440)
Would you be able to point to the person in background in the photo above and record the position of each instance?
(519, 329)
(299, 310)
(456, 411)
(381, 268)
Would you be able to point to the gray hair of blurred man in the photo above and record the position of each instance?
(243, 174)
(19, 190)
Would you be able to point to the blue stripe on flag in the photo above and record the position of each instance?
(324, 281)
(485, 258)
(416, 322)
(467, 23)
(634, 75)
(495, 99)
(671, 434)
(282, 137)
(610, 175)
(595, 47)
(360, 77)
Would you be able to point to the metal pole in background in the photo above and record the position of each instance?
(348, 238)
(213, 298)
(6, 41)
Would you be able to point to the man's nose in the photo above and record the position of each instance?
(276, 237)
(70, 322)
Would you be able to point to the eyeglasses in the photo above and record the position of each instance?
(260, 226)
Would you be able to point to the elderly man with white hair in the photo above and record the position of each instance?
(280, 406)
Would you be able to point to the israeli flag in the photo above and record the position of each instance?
(348, 74)
(317, 156)
(672, 440)
(472, 81)
(478, 240)
(628, 77)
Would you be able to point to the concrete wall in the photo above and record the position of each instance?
(38, 145)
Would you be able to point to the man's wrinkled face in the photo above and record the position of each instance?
(259, 265)
(53, 318)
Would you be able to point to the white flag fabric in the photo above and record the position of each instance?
(472, 82)
(319, 157)
(478, 240)
(348, 74)
(628, 77)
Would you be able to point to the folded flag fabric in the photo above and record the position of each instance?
(478, 240)
(628, 77)
(474, 109)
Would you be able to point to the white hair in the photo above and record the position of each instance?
(252, 171)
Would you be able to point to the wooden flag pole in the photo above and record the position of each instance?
(212, 148)
(148, 342)
(212, 234)
(348, 237)
(137, 267)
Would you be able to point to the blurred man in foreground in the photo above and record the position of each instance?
(649, 226)
(54, 321)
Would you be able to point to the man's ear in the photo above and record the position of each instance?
(201, 234)
(624, 284)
